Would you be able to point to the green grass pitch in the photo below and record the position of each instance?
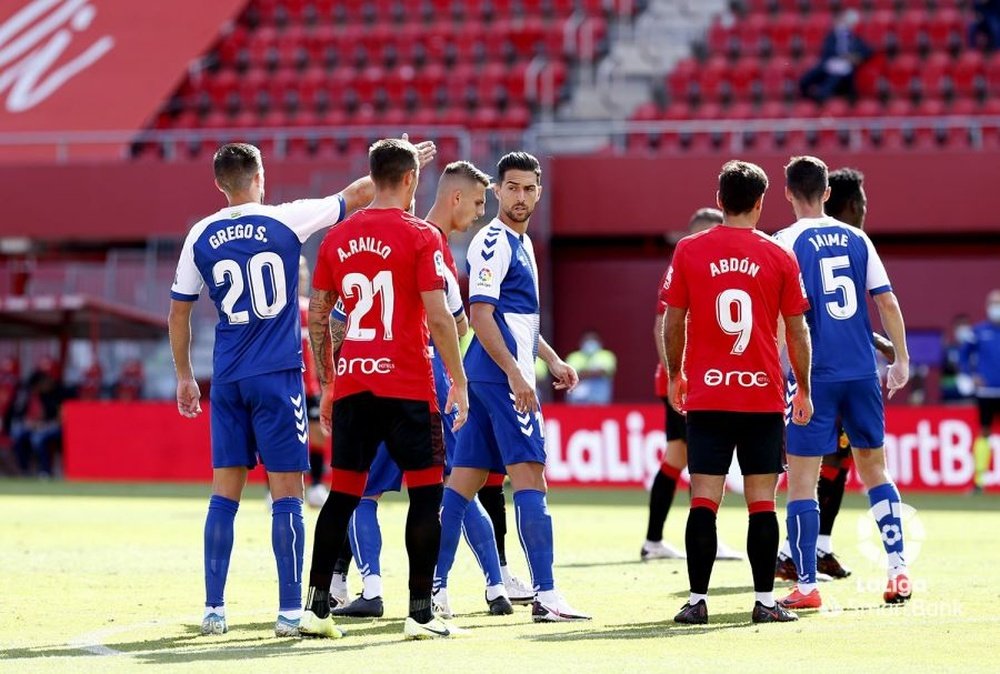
(107, 578)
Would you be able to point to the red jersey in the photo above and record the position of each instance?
(660, 379)
(309, 376)
(379, 261)
(734, 283)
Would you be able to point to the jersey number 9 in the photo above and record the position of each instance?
(734, 311)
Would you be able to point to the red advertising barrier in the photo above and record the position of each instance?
(927, 448)
(95, 65)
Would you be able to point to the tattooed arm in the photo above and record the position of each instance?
(320, 305)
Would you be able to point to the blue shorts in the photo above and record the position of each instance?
(857, 403)
(384, 474)
(263, 416)
(495, 435)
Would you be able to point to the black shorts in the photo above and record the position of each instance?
(677, 428)
(989, 409)
(312, 407)
(410, 430)
(757, 437)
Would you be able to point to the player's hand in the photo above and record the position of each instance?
(326, 410)
(897, 376)
(188, 398)
(565, 376)
(458, 402)
(677, 392)
(426, 151)
(802, 408)
(525, 400)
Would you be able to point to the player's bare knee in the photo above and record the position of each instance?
(229, 482)
(467, 481)
(758, 488)
(675, 455)
(527, 475)
(285, 485)
(803, 473)
(871, 466)
(710, 487)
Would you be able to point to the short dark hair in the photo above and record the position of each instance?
(845, 187)
(390, 159)
(235, 165)
(707, 214)
(468, 170)
(741, 184)
(518, 161)
(806, 177)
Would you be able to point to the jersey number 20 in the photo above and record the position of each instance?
(258, 266)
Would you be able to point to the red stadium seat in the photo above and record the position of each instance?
(969, 66)
(908, 28)
(900, 71)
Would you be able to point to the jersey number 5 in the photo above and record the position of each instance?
(365, 290)
(734, 311)
(832, 283)
(259, 266)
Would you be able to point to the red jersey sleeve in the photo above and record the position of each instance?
(661, 306)
(674, 291)
(430, 262)
(794, 300)
(323, 274)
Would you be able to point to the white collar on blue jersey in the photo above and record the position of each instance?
(500, 223)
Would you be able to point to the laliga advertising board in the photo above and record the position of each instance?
(927, 448)
(614, 446)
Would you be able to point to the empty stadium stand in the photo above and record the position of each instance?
(747, 71)
(479, 64)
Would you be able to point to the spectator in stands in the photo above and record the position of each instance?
(10, 379)
(984, 31)
(843, 52)
(130, 381)
(596, 367)
(92, 384)
(980, 358)
(956, 385)
(35, 422)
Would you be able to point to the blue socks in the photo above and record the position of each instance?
(534, 528)
(366, 537)
(218, 547)
(479, 535)
(885, 503)
(453, 507)
(803, 530)
(288, 539)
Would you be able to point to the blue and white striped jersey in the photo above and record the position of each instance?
(248, 255)
(503, 272)
(839, 264)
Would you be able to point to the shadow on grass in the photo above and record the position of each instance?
(662, 628)
(721, 591)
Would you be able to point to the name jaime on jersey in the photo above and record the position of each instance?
(727, 265)
(823, 240)
(365, 244)
(236, 232)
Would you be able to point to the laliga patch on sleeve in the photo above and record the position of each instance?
(485, 278)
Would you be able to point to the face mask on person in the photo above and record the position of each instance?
(590, 346)
(993, 312)
(964, 334)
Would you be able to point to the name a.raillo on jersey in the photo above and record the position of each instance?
(367, 244)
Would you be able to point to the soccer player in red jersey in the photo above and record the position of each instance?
(387, 265)
(661, 493)
(725, 291)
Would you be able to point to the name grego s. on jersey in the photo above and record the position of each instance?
(248, 256)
